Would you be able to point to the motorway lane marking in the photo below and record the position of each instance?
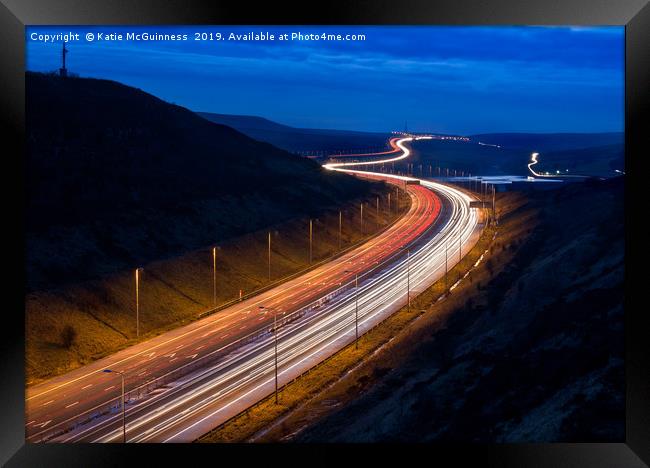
(107, 389)
(326, 269)
(45, 404)
(71, 404)
(42, 425)
(201, 419)
(87, 386)
(251, 391)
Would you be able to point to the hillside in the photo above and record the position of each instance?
(532, 350)
(579, 153)
(550, 141)
(594, 161)
(247, 123)
(117, 177)
(300, 139)
(467, 156)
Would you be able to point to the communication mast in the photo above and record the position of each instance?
(63, 72)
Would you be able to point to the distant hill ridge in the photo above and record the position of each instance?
(246, 122)
(551, 141)
(298, 139)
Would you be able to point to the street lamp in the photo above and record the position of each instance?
(389, 206)
(494, 206)
(214, 276)
(123, 407)
(275, 334)
(408, 278)
(397, 199)
(340, 227)
(377, 212)
(137, 302)
(269, 256)
(446, 268)
(311, 234)
(356, 307)
(362, 218)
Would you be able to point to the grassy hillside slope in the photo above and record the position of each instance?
(177, 290)
(532, 352)
(117, 178)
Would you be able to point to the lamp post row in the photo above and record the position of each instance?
(214, 258)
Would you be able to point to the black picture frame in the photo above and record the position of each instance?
(15, 14)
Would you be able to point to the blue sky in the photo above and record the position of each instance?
(447, 79)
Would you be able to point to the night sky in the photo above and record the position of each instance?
(461, 80)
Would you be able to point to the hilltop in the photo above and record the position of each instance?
(117, 177)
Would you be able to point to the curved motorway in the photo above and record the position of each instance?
(183, 383)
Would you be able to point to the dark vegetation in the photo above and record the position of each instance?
(118, 177)
(68, 336)
(535, 356)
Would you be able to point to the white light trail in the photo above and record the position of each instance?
(212, 395)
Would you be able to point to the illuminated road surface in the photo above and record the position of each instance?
(533, 161)
(226, 360)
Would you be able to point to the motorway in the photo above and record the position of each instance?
(186, 381)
